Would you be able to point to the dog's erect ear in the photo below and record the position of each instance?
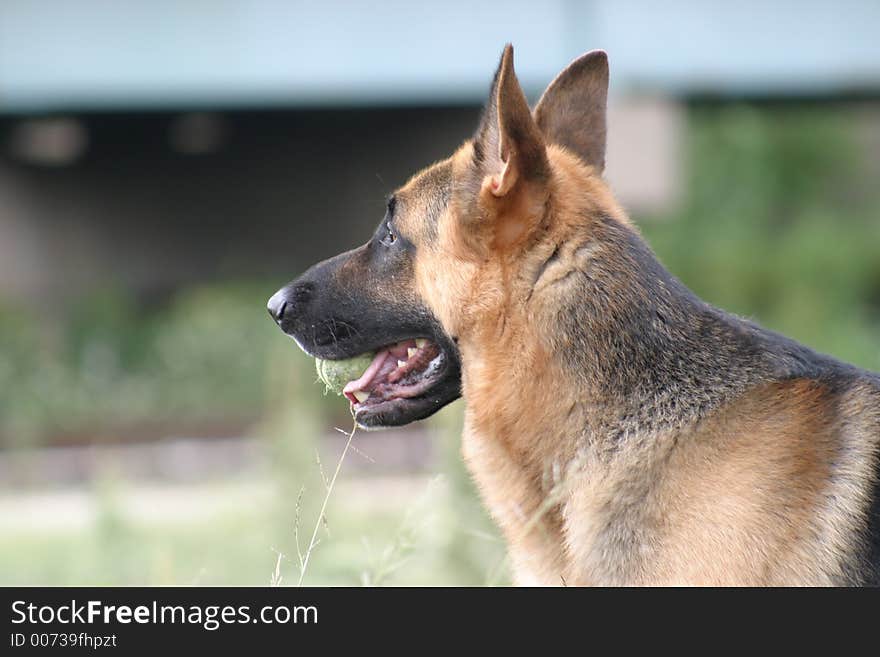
(571, 112)
(508, 146)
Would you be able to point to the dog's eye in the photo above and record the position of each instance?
(390, 238)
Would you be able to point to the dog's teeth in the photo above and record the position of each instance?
(421, 342)
(361, 395)
(411, 352)
(401, 363)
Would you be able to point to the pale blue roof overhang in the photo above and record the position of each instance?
(105, 54)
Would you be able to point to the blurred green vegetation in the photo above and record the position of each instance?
(110, 369)
(780, 222)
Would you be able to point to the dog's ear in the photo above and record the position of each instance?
(508, 146)
(508, 172)
(571, 112)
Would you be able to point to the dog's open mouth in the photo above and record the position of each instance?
(404, 370)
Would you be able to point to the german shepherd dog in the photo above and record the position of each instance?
(621, 431)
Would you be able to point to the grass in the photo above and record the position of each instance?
(366, 545)
(411, 529)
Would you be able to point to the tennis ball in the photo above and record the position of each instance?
(336, 373)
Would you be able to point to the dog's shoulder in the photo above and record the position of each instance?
(867, 570)
(823, 416)
(863, 413)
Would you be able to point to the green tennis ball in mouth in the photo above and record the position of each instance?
(336, 373)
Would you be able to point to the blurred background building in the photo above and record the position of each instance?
(166, 165)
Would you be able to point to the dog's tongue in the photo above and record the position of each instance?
(369, 374)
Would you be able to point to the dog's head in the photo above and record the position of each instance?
(461, 244)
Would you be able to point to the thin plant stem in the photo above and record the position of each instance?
(318, 522)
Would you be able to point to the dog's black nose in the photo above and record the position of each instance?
(277, 305)
(290, 301)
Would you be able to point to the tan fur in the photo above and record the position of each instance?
(735, 501)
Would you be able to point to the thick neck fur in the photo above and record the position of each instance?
(649, 355)
(633, 350)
